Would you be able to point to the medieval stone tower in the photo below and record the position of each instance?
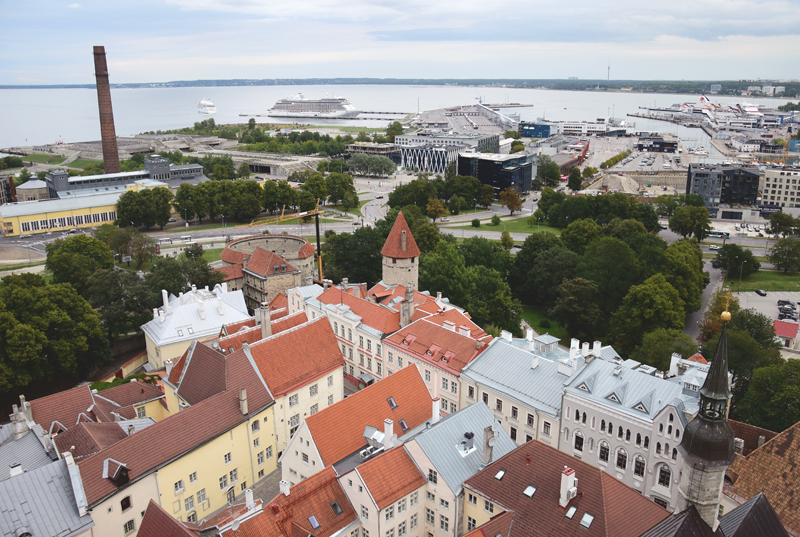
(707, 444)
(401, 256)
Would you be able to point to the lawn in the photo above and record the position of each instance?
(17, 266)
(533, 316)
(357, 212)
(44, 158)
(209, 254)
(767, 280)
(82, 163)
(519, 225)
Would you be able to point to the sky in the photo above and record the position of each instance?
(50, 42)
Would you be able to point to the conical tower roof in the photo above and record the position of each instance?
(393, 247)
(716, 385)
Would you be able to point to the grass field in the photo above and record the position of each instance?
(767, 280)
(82, 163)
(209, 254)
(533, 316)
(17, 266)
(43, 158)
(361, 203)
(519, 225)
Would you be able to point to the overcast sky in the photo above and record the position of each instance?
(50, 42)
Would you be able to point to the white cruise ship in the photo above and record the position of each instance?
(206, 107)
(299, 106)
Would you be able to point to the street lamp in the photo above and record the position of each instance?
(741, 267)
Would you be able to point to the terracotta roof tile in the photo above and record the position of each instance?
(390, 476)
(381, 318)
(232, 328)
(280, 301)
(132, 393)
(457, 318)
(786, 329)
(178, 433)
(289, 515)
(618, 510)
(286, 322)
(204, 374)
(253, 335)
(448, 350)
(497, 525)
(773, 469)
(64, 407)
(263, 263)
(231, 272)
(393, 245)
(297, 356)
(158, 523)
(338, 430)
(177, 368)
(89, 438)
(750, 433)
(226, 515)
(698, 358)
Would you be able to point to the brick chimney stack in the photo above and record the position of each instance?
(107, 131)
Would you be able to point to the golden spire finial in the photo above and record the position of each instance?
(726, 315)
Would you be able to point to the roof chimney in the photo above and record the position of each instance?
(155, 313)
(194, 288)
(221, 310)
(403, 240)
(450, 325)
(15, 469)
(356, 292)
(224, 287)
(168, 364)
(529, 334)
(248, 494)
(738, 446)
(596, 351)
(569, 486)
(243, 401)
(761, 439)
(284, 487)
(161, 316)
(488, 445)
(505, 334)
(201, 308)
(345, 284)
(465, 330)
(435, 415)
(388, 431)
(534, 361)
(131, 429)
(585, 349)
(180, 296)
(263, 317)
(165, 300)
(470, 438)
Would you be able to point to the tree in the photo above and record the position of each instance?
(394, 129)
(194, 252)
(143, 248)
(451, 170)
(759, 326)
(161, 199)
(506, 241)
(690, 221)
(773, 399)
(580, 233)
(785, 255)
(736, 260)
(317, 186)
(243, 172)
(199, 273)
(74, 259)
(575, 308)
(435, 209)
(350, 201)
(118, 240)
(547, 171)
(340, 186)
(517, 146)
(356, 255)
(514, 135)
(524, 261)
(444, 270)
(600, 263)
(683, 269)
(485, 197)
(551, 268)
(575, 181)
(24, 177)
(782, 223)
(659, 345)
(647, 307)
(122, 299)
(490, 301)
(248, 200)
(666, 205)
(416, 192)
(510, 198)
(485, 252)
(166, 275)
(588, 172)
(495, 220)
(712, 324)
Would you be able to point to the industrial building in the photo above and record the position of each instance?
(473, 140)
(724, 187)
(544, 129)
(657, 144)
(499, 171)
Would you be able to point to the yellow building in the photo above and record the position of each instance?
(37, 217)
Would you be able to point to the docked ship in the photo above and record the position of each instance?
(206, 107)
(299, 106)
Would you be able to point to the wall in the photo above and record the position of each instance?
(155, 410)
(109, 520)
(400, 271)
(432, 376)
(293, 469)
(158, 355)
(12, 226)
(477, 510)
(440, 491)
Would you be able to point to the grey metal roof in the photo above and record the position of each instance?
(505, 368)
(31, 184)
(28, 450)
(43, 502)
(30, 208)
(442, 444)
(547, 339)
(84, 192)
(601, 382)
(309, 291)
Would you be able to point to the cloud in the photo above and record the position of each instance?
(24, 79)
(74, 6)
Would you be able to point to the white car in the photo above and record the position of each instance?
(715, 247)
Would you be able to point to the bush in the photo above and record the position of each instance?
(496, 220)
(476, 223)
(544, 323)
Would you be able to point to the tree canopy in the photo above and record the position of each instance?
(74, 259)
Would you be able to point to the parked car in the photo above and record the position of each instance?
(761, 292)
(445, 219)
(783, 301)
(715, 247)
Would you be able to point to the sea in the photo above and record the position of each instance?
(44, 116)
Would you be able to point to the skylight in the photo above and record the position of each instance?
(499, 475)
(571, 512)
(337, 509)
(587, 519)
(392, 403)
(403, 425)
(313, 521)
(529, 491)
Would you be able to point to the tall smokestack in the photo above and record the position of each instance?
(107, 132)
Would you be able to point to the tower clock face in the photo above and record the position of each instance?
(712, 413)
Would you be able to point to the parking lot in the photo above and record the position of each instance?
(768, 305)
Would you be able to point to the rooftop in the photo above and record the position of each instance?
(158, 523)
(381, 318)
(86, 439)
(29, 451)
(393, 247)
(265, 263)
(30, 208)
(390, 476)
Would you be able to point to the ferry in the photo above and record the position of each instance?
(206, 107)
(299, 106)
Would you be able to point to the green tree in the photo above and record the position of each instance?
(736, 260)
(486, 252)
(782, 224)
(490, 301)
(551, 268)
(524, 261)
(118, 240)
(24, 177)
(647, 307)
(73, 260)
(517, 146)
(435, 209)
(339, 186)
(506, 241)
(485, 197)
(444, 270)
(600, 263)
(773, 398)
(451, 170)
(577, 310)
(187, 201)
(243, 172)
(547, 171)
(683, 269)
(476, 222)
(785, 255)
(588, 172)
(416, 192)
(658, 346)
(394, 129)
(143, 248)
(510, 199)
(356, 255)
(350, 201)
(495, 220)
(691, 220)
(759, 326)
(575, 181)
(199, 273)
(122, 300)
(666, 205)
(248, 200)
(161, 199)
(514, 135)
(580, 233)
(317, 186)
(167, 275)
(711, 324)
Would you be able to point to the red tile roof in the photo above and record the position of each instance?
(390, 476)
(338, 430)
(456, 317)
(437, 345)
(227, 515)
(288, 516)
(750, 434)
(179, 433)
(132, 393)
(231, 272)
(423, 302)
(228, 329)
(697, 358)
(381, 318)
(205, 374)
(177, 368)
(393, 245)
(253, 335)
(159, 523)
(263, 263)
(286, 322)
(618, 510)
(786, 329)
(773, 469)
(64, 407)
(280, 301)
(86, 439)
(497, 525)
(295, 357)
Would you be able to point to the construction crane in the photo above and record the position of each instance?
(285, 218)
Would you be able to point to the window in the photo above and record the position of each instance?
(141, 412)
(378, 349)
(604, 452)
(129, 527)
(433, 477)
(443, 404)
(529, 491)
(223, 482)
(546, 428)
(401, 529)
(256, 442)
(364, 513)
(400, 362)
(313, 390)
(674, 454)
(444, 504)
(305, 458)
(369, 362)
(414, 499)
(471, 524)
(571, 512)
(361, 358)
(427, 373)
(628, 435)
(361, 341)
(401, 506)
(125, 503)
(389, 513)
(391, 357)
(452, 407)
(587, 519)
(314, 409)
(622, 459)
(378, 366)
(412, 522)
(260, 458)
(227, 458)
(444, 523)
(513, 433)
(486, 398)
(472, 499)
(603, 425)
(453, 387)
(330, 380)
(578, 442)
(201, 496)
(488, 506)
(179, 486)
(430, 517)
(293, 399)
(294, 421)
(530, 420)
(330, 399)
(646, 442)
(514, 412)
(188, 503)
(663, 476)
(350, 334)
(658, 448)
(269, 452)
(445, 383)
(335, 324)
(234, 475)
(255, 426)
(471, 392)
(498, 405)
(638, 467)
(638, 439)
(431, 497)
(620, 433)
(577, 415)
(193, 477)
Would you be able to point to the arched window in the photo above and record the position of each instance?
(674, 454)
(610, 428)
(658, 448)
(660, 428)
(603, 425)
(669, 429)
(594, 422)
(677, 433)
(627, 435)
(577, 415)
(578, 441)
(619, 433)
(255, 426)
(603, 453)
(646, 442)
(335, 327)
(638, 466)
(638, 439)
(583, 419)
(670, 417)
(666, 450)
(664, 475)
(622, 459)
(567, 415)
(566, 433)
